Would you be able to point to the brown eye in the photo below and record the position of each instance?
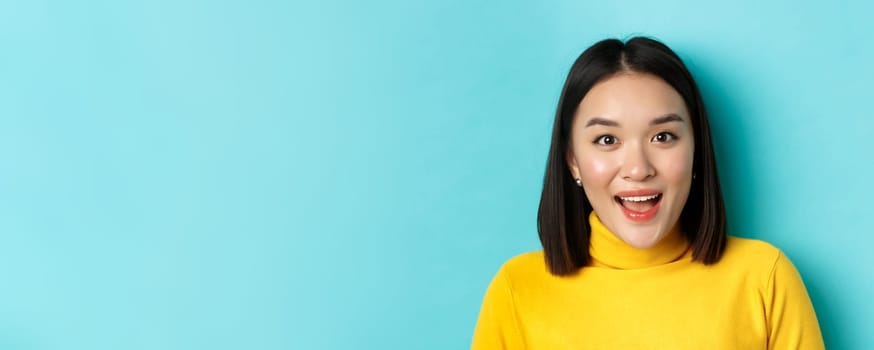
(605, 140)
(663, 137)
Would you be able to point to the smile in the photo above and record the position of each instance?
(640, 205)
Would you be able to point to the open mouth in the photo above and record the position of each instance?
(639, 204)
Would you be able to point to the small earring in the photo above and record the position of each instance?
(693, 176)
(579, 183)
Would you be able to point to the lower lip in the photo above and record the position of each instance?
(637, 216)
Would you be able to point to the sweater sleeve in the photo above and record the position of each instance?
(497, 326)
(791, 322)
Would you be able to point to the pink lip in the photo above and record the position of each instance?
(637, 193)
(640, 216)
(637, 216)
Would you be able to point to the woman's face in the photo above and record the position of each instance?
(632, 147)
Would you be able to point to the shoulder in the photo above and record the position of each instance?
(752, 256)
(525, 263)
(761, 254)
(527, 267)
(747, 249)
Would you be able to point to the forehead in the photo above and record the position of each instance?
(631, 97)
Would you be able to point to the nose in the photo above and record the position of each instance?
(636, 165)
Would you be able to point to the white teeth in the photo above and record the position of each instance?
(639, 198)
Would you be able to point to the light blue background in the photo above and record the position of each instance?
(350, 175)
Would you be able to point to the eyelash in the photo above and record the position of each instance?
(602, 140)
(671, 136)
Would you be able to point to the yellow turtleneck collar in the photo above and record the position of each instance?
(610, 251)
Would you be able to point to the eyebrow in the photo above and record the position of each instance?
(667, 118)
(601, 121)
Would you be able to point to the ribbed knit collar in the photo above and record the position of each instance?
(610, 251)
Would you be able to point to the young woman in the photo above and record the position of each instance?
(632, 223)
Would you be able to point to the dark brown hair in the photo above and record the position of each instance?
(562, 219)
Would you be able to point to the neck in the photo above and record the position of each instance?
(608, 250)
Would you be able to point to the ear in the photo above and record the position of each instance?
(572, 163)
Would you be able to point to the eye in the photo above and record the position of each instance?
(664, 137)
(605, 140)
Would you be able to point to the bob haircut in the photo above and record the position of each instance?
(562, 218)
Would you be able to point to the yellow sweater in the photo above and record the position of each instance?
(655, 298)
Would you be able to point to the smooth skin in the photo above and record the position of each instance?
(632, 132)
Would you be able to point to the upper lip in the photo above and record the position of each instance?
(637, 193)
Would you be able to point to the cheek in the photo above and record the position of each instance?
(597, 170)
(676, 167)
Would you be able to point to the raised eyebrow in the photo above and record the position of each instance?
(601, 121)
(667, 118)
